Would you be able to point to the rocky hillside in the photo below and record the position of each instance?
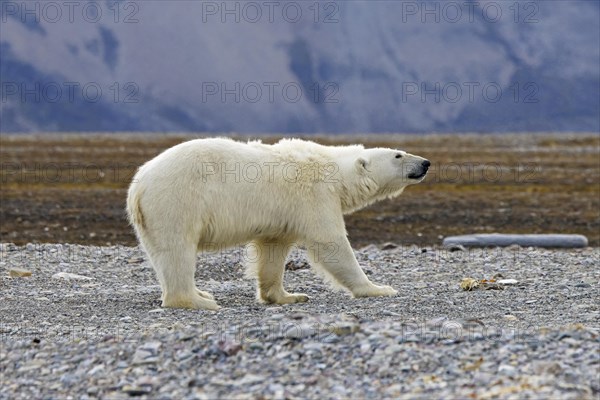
(292, 66)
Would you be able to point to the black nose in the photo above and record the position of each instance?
(426, 164)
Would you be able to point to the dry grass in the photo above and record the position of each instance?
(71, 188)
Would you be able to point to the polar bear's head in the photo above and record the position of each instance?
(381, 173)
(377, 174)
(392, 169)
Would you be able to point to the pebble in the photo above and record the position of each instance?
(344, 328)
(70, 276)
(507, 370)
(18, 273)
(300, 331)
(136, 390)
(583, 285)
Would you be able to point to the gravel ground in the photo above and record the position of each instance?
(108, 337)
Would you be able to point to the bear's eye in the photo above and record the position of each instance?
(398, 155)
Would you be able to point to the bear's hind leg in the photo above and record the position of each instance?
(269, 266)
(175, 268)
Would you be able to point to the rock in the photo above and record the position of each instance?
(507, 282)
(275, 309)
(95, 370)
(528, 240)
(70, 276)
(18, 273)
(255, 346)
(137, 390)
(250, 379)
(507, 370)
(344, 328)
(152, 347)
(389, 246)
(69, 379)
(6, 247)
(300, 331)
(142, 358)
(369, 248)
(296, 265)
(229, 347)
(146, 354)
(436, 322)
(93, 390)
(277, 317)
(277, 389)
(330, 338)
(510, 317)
(456, 247)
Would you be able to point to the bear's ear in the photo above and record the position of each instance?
(362, 164)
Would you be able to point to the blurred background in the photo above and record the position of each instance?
(300, 66)
(127, 79)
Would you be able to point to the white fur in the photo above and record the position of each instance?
(209, 194)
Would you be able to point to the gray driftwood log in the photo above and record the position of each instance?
(501, 240)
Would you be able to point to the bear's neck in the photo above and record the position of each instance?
(358, 194)
(366, 191)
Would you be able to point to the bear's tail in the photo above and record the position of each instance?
(134, 209)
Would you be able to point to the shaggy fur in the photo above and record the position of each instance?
(217, 193)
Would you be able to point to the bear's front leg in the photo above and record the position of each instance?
(338, 260)
(269, 265)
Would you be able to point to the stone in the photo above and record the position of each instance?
(137, 390)
(300, 331)
(507, 370)
(69, 276)
(152, 347)
(456, 247)
(389, 246)
(344, 328)
(18, 273)
(146, 354)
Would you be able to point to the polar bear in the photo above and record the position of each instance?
(216, 193)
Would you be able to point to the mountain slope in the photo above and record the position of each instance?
(360, 66)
